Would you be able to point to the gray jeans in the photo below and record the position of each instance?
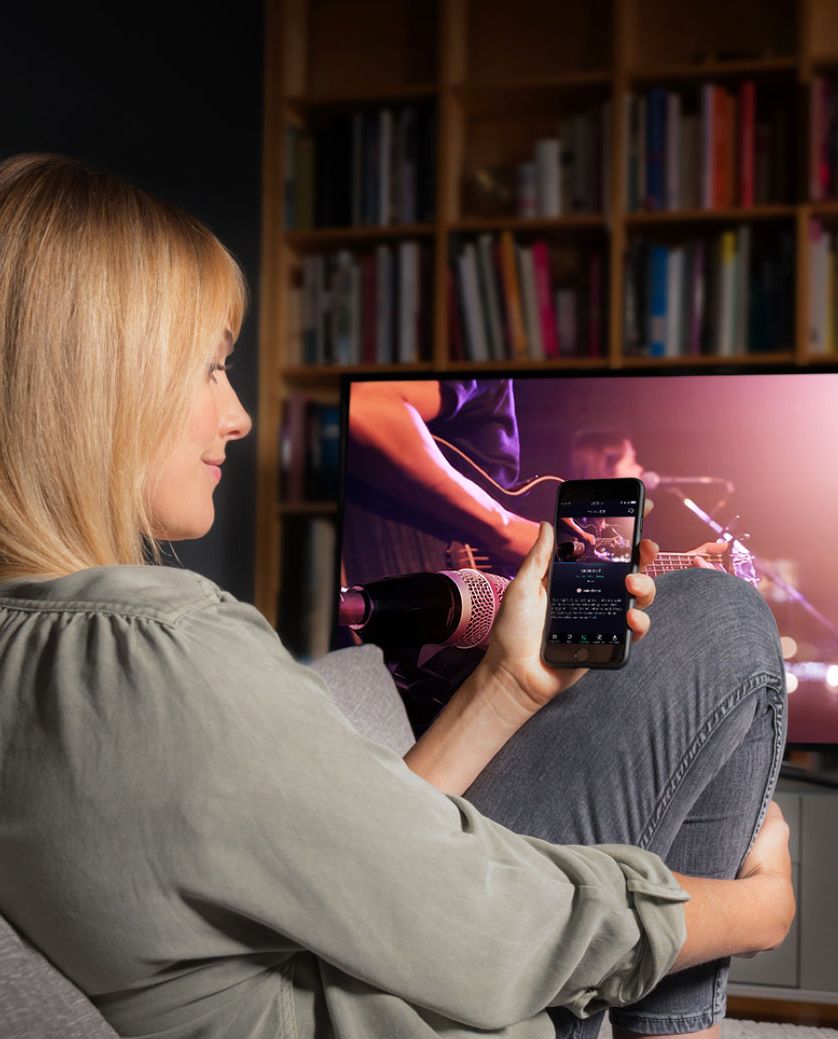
(678, 752)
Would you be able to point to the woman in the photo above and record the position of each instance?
(189, 827)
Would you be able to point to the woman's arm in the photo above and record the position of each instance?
(748, 915)
(511, 683)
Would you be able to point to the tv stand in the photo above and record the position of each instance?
(806, 775)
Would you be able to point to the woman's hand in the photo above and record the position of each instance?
(514, 653)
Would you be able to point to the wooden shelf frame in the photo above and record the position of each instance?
(289, 98)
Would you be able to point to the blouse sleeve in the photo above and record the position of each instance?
(293, 821)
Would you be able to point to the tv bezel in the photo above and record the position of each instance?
(815, 366)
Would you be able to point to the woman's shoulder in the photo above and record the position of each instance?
(162, 593)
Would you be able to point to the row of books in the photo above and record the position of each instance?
(823, 293)
(505, 303)
(722, 295)
(707, 150)
(309, 449)
(367, 168)
(823, 139)
(371, 307)
(305, 618)
(571, 171)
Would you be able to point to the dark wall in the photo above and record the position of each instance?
(169, 97)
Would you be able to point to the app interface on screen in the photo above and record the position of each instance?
(588, 597)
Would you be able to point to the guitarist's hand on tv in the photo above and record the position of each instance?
(709, 548)
(514, 652)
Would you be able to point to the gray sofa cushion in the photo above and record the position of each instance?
(364, 690)
(37, 1001)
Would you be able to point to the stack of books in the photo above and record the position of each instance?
(721, 295)
(504, 303)
(569, 173)
(719, 147)
(367, 168)
(309, 449)
(367, 308)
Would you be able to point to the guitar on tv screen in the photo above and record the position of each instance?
(444, 481)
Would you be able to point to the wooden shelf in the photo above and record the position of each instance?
(714, 70)
(512, 223)
(396, 94)
(596, 77)
(708, 360)
(320, 236)
(766, 212)
(333, 372)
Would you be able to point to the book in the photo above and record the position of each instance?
(530, 304)
(747, 119)
(544, 302)
(490, 296)
(477, 345)
(516, 332)
(547, 174)
(658, 262)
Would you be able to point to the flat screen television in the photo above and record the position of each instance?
(747, 457)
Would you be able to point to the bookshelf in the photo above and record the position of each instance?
(496, 77)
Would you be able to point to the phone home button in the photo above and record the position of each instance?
(581, 654)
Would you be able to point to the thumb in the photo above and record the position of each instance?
(537, 560)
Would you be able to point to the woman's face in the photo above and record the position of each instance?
(181, 500)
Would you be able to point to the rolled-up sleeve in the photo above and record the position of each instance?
(289, 819)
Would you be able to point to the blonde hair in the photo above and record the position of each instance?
(113, 303)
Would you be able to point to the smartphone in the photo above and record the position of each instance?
(598, 527)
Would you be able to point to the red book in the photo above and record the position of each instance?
(368, 308)
(546, 314)
(747, 119)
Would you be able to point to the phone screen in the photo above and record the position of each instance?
(597, 530)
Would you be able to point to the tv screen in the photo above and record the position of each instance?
(432, 465)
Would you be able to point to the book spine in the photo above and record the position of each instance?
(674, 289)
(747, 120)
(546, 314)
(673, 147)
(512, 295)
(658, 256)
(385, 131)
(727, 294)
(815, 131)
(595, 297)
(743, 287)
(525, 270)
(491, 296)
(697, 292)
(475, 326)
(707, 145)
(383, 304)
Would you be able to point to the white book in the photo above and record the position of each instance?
(741, 300)
(566, 321)
(547, 183)
(706, 150)
(408, 301)
(385, 147)
(672, 137)
(526, 275)
(384, 304)
(475, 324)
(490, 297)
(341, 308)
(673, 335)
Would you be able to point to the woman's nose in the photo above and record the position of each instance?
(237, 422)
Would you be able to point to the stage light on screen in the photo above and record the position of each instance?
(832, 676)
(791, 682)
(789, 646)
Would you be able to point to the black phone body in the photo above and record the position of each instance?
(598, 525)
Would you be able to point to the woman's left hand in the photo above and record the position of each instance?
(514, 653)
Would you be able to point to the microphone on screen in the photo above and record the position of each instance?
(448, 608)
(655, 480)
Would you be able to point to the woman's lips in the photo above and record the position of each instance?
(214, 469)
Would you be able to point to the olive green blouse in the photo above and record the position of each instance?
(192, 831)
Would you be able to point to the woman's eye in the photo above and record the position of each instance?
(216, 367)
